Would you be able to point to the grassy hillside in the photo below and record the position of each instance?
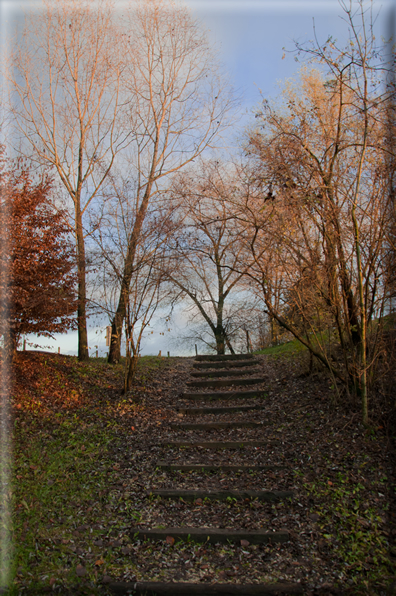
(68, 418)
(289, 348)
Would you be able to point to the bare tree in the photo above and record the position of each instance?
(180, 104)
(66, 79)
(148, 290)
(207, 251)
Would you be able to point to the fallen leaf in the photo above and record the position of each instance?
(80, 571)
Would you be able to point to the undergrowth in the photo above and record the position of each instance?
(352, 528)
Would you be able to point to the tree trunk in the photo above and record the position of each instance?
(219, 331)
(116, 326)
(83, 353)
(116, 329)
(229, 345)
(274, 333)
(10, 345)
(362, 348)
(133, 364)
(248, 343)
(220, 340)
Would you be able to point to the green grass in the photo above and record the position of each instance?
(69, 418)
(289, 348)
(387, 321)
(351, 528)
(293, 347)
(57, 472)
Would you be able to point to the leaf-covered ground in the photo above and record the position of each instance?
(85, 460)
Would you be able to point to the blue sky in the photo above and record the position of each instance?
(250, 36)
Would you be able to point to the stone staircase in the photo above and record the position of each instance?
(219, 378)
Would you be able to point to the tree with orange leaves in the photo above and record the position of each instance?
(37, 281)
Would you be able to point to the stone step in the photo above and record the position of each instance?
(211, 535)
(226, 364)
(215, 468)
(217, 410)
(214, 425)
(223, 373)
(227, 382)
(203, 589)
(222, 495)
(222, 357)
(217, 444)
(211, 395)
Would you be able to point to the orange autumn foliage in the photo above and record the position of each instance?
(37, 278)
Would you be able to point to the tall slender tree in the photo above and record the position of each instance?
(180, 104)
(148, 289)
(65, 76)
